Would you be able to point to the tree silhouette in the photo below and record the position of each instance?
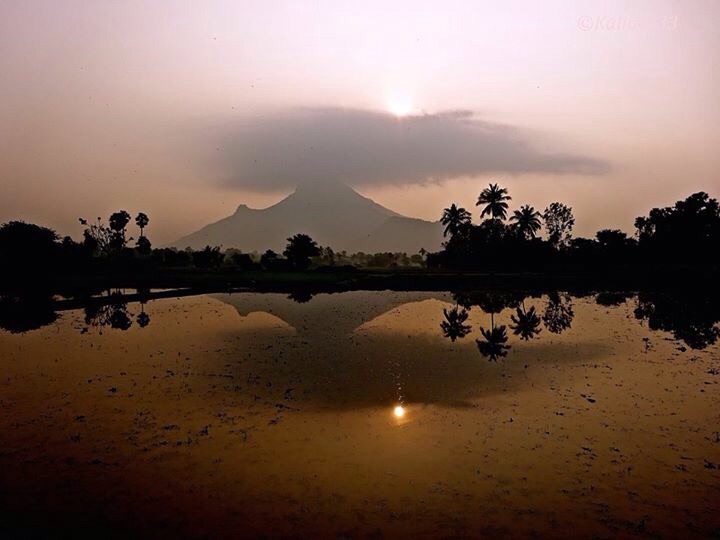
(97, 237)
(143, 319)
(209, 257)
(24, 246)
(489, 301)
(141, 220)
(527, 221)
(113, 314)
(300, 249)
(495, 200)
(454, 326)
(143, 245)
(494, 344)
(19, 315)
(455, 220)
(690, 227)
(118, 221)
(300, 296)
(691, 317)
(525, 324)
(559, 222)
(559, 314)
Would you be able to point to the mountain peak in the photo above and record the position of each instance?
(334, 214)
(324, 191)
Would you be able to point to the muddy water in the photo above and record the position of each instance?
(359, 414)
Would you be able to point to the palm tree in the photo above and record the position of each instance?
(526, 324)
(142, 221)
(527, 221)
(455, 220)
(495, 200)
(494, 346)
(454, 326)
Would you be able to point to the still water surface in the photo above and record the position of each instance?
(362, 414)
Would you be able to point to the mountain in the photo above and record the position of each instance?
(333, 215)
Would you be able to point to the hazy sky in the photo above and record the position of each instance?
(177, 108)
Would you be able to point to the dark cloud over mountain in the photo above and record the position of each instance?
(361, 147)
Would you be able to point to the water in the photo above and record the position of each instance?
(364, 414)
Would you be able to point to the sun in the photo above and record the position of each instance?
(399, 411)
(400, 106)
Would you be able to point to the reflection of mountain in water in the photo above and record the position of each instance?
(326, 315)
(691, 317)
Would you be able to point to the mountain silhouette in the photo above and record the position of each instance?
(334, 215)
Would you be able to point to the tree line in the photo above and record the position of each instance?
(28, 250)
(686, 233)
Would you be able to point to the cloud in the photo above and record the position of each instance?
(360, 147)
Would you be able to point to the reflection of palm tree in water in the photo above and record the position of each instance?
(143, 319)
(494, 346)
(454, 326)
(113, 314)
(526, 324)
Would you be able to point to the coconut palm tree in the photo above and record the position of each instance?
(455, 219)
(494, 346)
(454, 326)
(142, 221)
(495, 200)
(527, 221)
(526, 324)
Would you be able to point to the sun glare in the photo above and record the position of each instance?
(399, 411)
(400, 106)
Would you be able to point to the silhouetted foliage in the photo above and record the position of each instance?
(118, 222)
(494, 198)
(143, 319)
(690, 317)
(26, 247)
(454, 326)
(559, 222)
(527, 221)
(525, 324)
(141, 220)
(493, 345)
(243, 261)
(98, 238)
(171, 257)
(489, 301)
(559, 314)
(689, 231)
(299, 250)
(455, 220)
(209, 257)
(300, 296)
(273, 262)
(143, 245)
(19, 315)
(113, 314)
